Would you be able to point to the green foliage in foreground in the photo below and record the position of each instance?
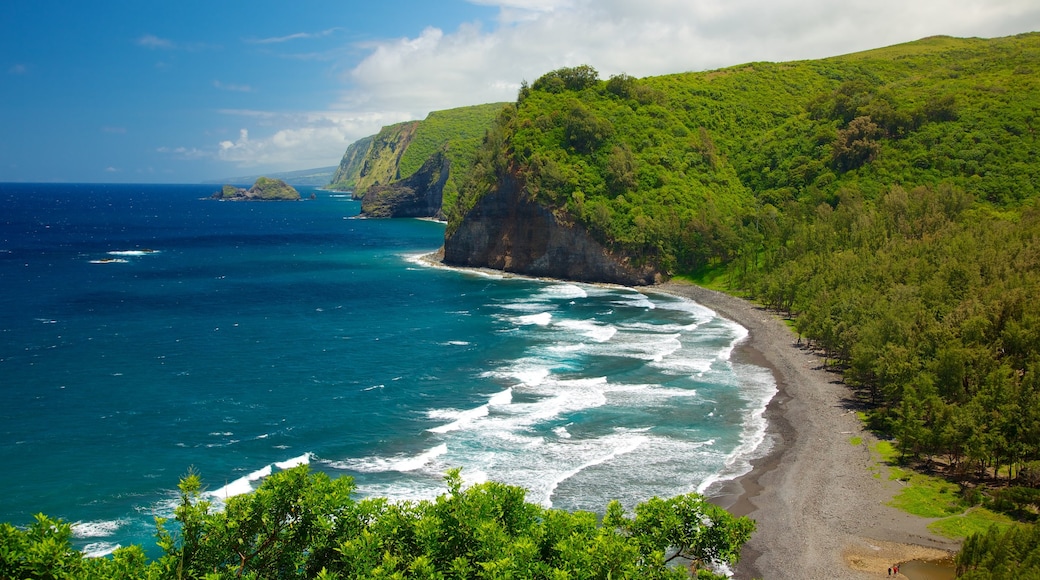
(304, 525)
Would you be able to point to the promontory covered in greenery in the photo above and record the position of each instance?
(265, 189)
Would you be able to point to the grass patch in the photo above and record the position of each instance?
(856, 441)
(977, 520)
(886, 452)
(928, 497)
(714, 277)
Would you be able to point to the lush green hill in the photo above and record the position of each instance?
(399, 151)
(669, 167)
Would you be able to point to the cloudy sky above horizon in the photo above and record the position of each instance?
(129, 91)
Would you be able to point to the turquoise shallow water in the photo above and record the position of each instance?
(144, 330)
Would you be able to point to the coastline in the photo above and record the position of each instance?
(820, 511)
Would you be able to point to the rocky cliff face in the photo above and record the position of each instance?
(506, 231)
(380, 165)
(418, 195)
(349, 170)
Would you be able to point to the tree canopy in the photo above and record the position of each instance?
(299, 524)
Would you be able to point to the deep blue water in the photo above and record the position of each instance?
(144, 331)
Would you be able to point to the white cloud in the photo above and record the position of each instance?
(153, 41)
(294, 36)
(438, 69)
(297, 141)
(232, 87)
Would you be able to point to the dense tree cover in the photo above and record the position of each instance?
(670, 169)
(1010, 555)
(307, 525)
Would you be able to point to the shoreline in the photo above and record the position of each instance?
(820, 512)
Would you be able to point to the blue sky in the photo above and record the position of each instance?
(180, 92)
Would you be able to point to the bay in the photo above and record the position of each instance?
(146, 331)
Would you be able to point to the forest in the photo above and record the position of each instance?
(885, 202)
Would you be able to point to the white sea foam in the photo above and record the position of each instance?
(759, 388)
(626, 446)
(635, 300)
(503, 398)
(400, 463)
(245, 483)
(241, 485)
(462, 420)
(294, 462)
(110, 261)
(591, 329)
(562, 292)
(132, 253)
(540, 319)
(99, 529)
(99, 549)
(421, 460)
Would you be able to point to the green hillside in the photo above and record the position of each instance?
(886, 200)
(667, 167)
(346, 175)
(399, 151)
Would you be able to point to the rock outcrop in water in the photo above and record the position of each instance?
(265, 189)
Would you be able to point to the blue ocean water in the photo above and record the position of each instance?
(145, 331)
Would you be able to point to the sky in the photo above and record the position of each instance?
(188, 91)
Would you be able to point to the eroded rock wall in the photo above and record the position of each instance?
(507, 231)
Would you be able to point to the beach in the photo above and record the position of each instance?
(820, 510)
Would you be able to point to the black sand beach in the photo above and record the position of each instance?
(819, 509)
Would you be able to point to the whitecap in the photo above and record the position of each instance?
(591, 329)
(503, 398)
(133, 253)
(99, 549)
(420, 461)
(294, 462)
(241, 485)
(539, 319)
(622, 447)
(462, 418)
(562, 292)
(400, 463)
(98, 529)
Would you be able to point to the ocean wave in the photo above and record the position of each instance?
(99, 549)
(98, 529)
(245, 483)
(400, 463)
(759, 388)
(591, 329)
(133, 253)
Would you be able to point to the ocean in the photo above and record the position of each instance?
(146, 331)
